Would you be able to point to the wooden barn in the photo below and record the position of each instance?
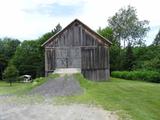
(78, 46)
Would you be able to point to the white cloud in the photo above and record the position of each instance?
(22, 25)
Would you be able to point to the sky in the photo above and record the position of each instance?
(29, 19)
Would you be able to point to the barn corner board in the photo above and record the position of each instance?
(78, 46)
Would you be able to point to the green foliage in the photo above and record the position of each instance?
(7, 49)
(27, 58)
(3, 64)
(128, 61)
(116, 58)
(107, 33)
(45, 37)
(10, 74)
(115, 50)
(150, 76)
(126, 26)
(153, 64)
(147, 58)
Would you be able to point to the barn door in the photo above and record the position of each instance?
(74, 58)
(68, 57)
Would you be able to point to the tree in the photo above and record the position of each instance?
(7, 49)
(129, 58)
(157, 39)
(107, 32)
(9, 46)
(127, 27)
(147, 58)
(10, 74)
(29, 56)
(116, 58)
(57, 28)
(3, 64)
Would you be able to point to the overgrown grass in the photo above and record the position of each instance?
(140, 100)
(21, 88)
(150, 76)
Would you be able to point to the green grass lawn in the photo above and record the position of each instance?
(21, 88)
(6, 89)
(140, 100)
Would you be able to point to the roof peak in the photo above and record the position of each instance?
(85, 26)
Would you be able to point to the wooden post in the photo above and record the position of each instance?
(46, 63)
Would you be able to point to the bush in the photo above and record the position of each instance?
(150, 76)
(10, 74)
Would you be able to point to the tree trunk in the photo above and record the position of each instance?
(10, 83)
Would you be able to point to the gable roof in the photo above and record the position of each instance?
(104, 40)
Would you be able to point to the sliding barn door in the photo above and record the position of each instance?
(69, 57)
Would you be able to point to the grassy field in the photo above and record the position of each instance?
(21, 88)
(135, 99)
(140, 100)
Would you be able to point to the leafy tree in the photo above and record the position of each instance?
(3, 64)
(29, 56)
(57, 28)
(129, 58)
(7, 49)
(153, 64)
(147, 58)
(157, 39)
(127, 27)
(106, 32)
(45, 37)
(116, 58)
(10, 74)
(9, 46)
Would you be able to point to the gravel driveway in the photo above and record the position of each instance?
(54, 112)
(62, 86)
(47, 110)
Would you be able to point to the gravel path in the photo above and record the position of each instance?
(11, 107)
(54, 112)
(62, 86)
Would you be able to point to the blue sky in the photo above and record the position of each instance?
(29, 19)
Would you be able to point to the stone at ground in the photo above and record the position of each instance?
(54, 112)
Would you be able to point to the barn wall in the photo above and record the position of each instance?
(96, 74)
(74, 36)
(95, 63)
(93, 55)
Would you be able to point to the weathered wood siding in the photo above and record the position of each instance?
(95, 63)
(77, 47)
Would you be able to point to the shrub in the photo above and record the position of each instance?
(150, 76)
(10, 74)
